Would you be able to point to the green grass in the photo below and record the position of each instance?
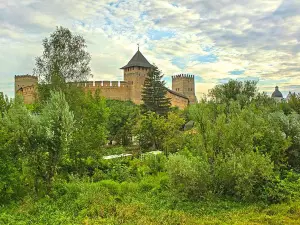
(146, 202)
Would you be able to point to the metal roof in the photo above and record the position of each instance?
(277, 93)
(138, 60)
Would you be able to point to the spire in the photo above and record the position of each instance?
(138, 60)
(138, 46)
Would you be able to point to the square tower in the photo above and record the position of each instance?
(135, 72)
(185, 84)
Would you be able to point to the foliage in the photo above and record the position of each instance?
(38, 141)
(190, 176)
(58, 125)
(154, 93)
(109, 202)
(4, 104)
(243, 129)
(234, 90)
(122, 118)
(242, 174)
(158, 132)
(18, 135)
(294, 102)
(242, 150)
(90, 133)
(64, 58)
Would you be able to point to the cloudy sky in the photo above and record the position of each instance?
(215, 40)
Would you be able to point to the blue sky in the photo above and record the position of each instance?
(214, 40)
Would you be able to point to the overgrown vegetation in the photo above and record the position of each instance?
(238, 164)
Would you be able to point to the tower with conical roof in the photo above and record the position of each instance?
(135, 72)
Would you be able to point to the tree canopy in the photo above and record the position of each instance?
(234, 90)
(64, 59)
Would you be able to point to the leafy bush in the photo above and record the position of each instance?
(189, 176)
(241, 174)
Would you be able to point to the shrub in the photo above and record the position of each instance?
(155, 163)
(112, 186)
(189, 176)
(241, 174)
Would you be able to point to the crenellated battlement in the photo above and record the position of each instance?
(18, 77)
(180, 76)
(185, 84)
(102, 84)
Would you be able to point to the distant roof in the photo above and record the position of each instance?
(138, 60)
(277, 93)
(189, 125)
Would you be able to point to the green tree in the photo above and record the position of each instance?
(294, 102)
(65, 59)
(122, 118)
(19, 139)
(4, 103)
(91, 115)
(154, 93)
(10, 163)
(58, 123)
(234, 90)
(160, 132)
(239, 129)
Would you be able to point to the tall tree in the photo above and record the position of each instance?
(91, 114)
(64, 59)
(123, 115)
(58, 123)
(4, 103)
(154, 93)
(234, 90)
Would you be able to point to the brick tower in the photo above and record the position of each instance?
(135, 72)
(185, 84)
(24, 81)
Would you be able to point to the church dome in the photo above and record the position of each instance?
(277, 93)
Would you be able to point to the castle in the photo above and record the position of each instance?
(135, 72)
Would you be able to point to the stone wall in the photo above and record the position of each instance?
(131, 89)
(185, 84)
(118, 90)
(22, 81)
(28, 93)
(177, 100)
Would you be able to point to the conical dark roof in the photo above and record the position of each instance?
(277, 93)
(138, 60)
